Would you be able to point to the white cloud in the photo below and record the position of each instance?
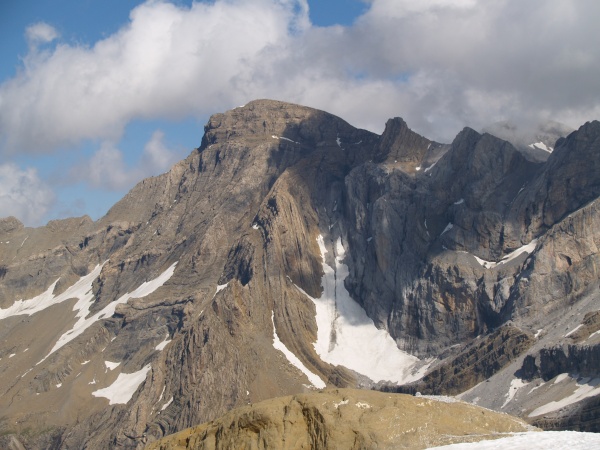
(40, 33)
(441, 64)
(23, 194)
(107, 169)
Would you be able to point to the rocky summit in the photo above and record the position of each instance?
(292, 252)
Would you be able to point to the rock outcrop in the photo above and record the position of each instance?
(346, 418)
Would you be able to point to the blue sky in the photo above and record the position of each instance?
(96, 95)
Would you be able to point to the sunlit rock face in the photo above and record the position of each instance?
(292, 251)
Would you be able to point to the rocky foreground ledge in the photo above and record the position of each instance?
(348, 419)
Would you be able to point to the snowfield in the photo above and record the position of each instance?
(81, 290)
(123, 388)
(346, 336)
(84, 304)
(535, 440)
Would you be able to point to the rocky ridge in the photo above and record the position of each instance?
(347, 418)
(469, 255)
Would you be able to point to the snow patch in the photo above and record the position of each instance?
(220, 287)
(561, 377)
(166, 405)
(81, 290)
(536, 387)
(538, 332)
(85, 362)
(346, 336)
(83, 307)
(529, 248)
(363, 405)
(587, 388)
(111, 365)
(293, 359)
(573, 331)
(430, 167)
(541, 146)
(515, 385)
(448, 228)
(284, 139)
(123, 388)
(594, 334)
(418, 168)
(163, 344)
(59, 385)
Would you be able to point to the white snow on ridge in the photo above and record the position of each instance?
(83, 308)
(123, 388)
(529, 248)
(533, 440)
(541, 146)
(81, 290)
(346, 336)
(315, 380)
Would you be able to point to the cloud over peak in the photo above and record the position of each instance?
(441, 64)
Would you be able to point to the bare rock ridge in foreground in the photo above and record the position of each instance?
(349, 419)
(291, 252)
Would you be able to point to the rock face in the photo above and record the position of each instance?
(346, 418)
(244, 272)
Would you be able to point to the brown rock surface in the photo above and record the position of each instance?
(348, 419)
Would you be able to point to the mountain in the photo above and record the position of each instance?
(535, 141)
(292, 252)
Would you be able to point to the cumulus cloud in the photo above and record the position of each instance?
(23, 194)
(441, 64)
(107, 169)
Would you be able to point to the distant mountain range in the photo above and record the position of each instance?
(292, 252)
